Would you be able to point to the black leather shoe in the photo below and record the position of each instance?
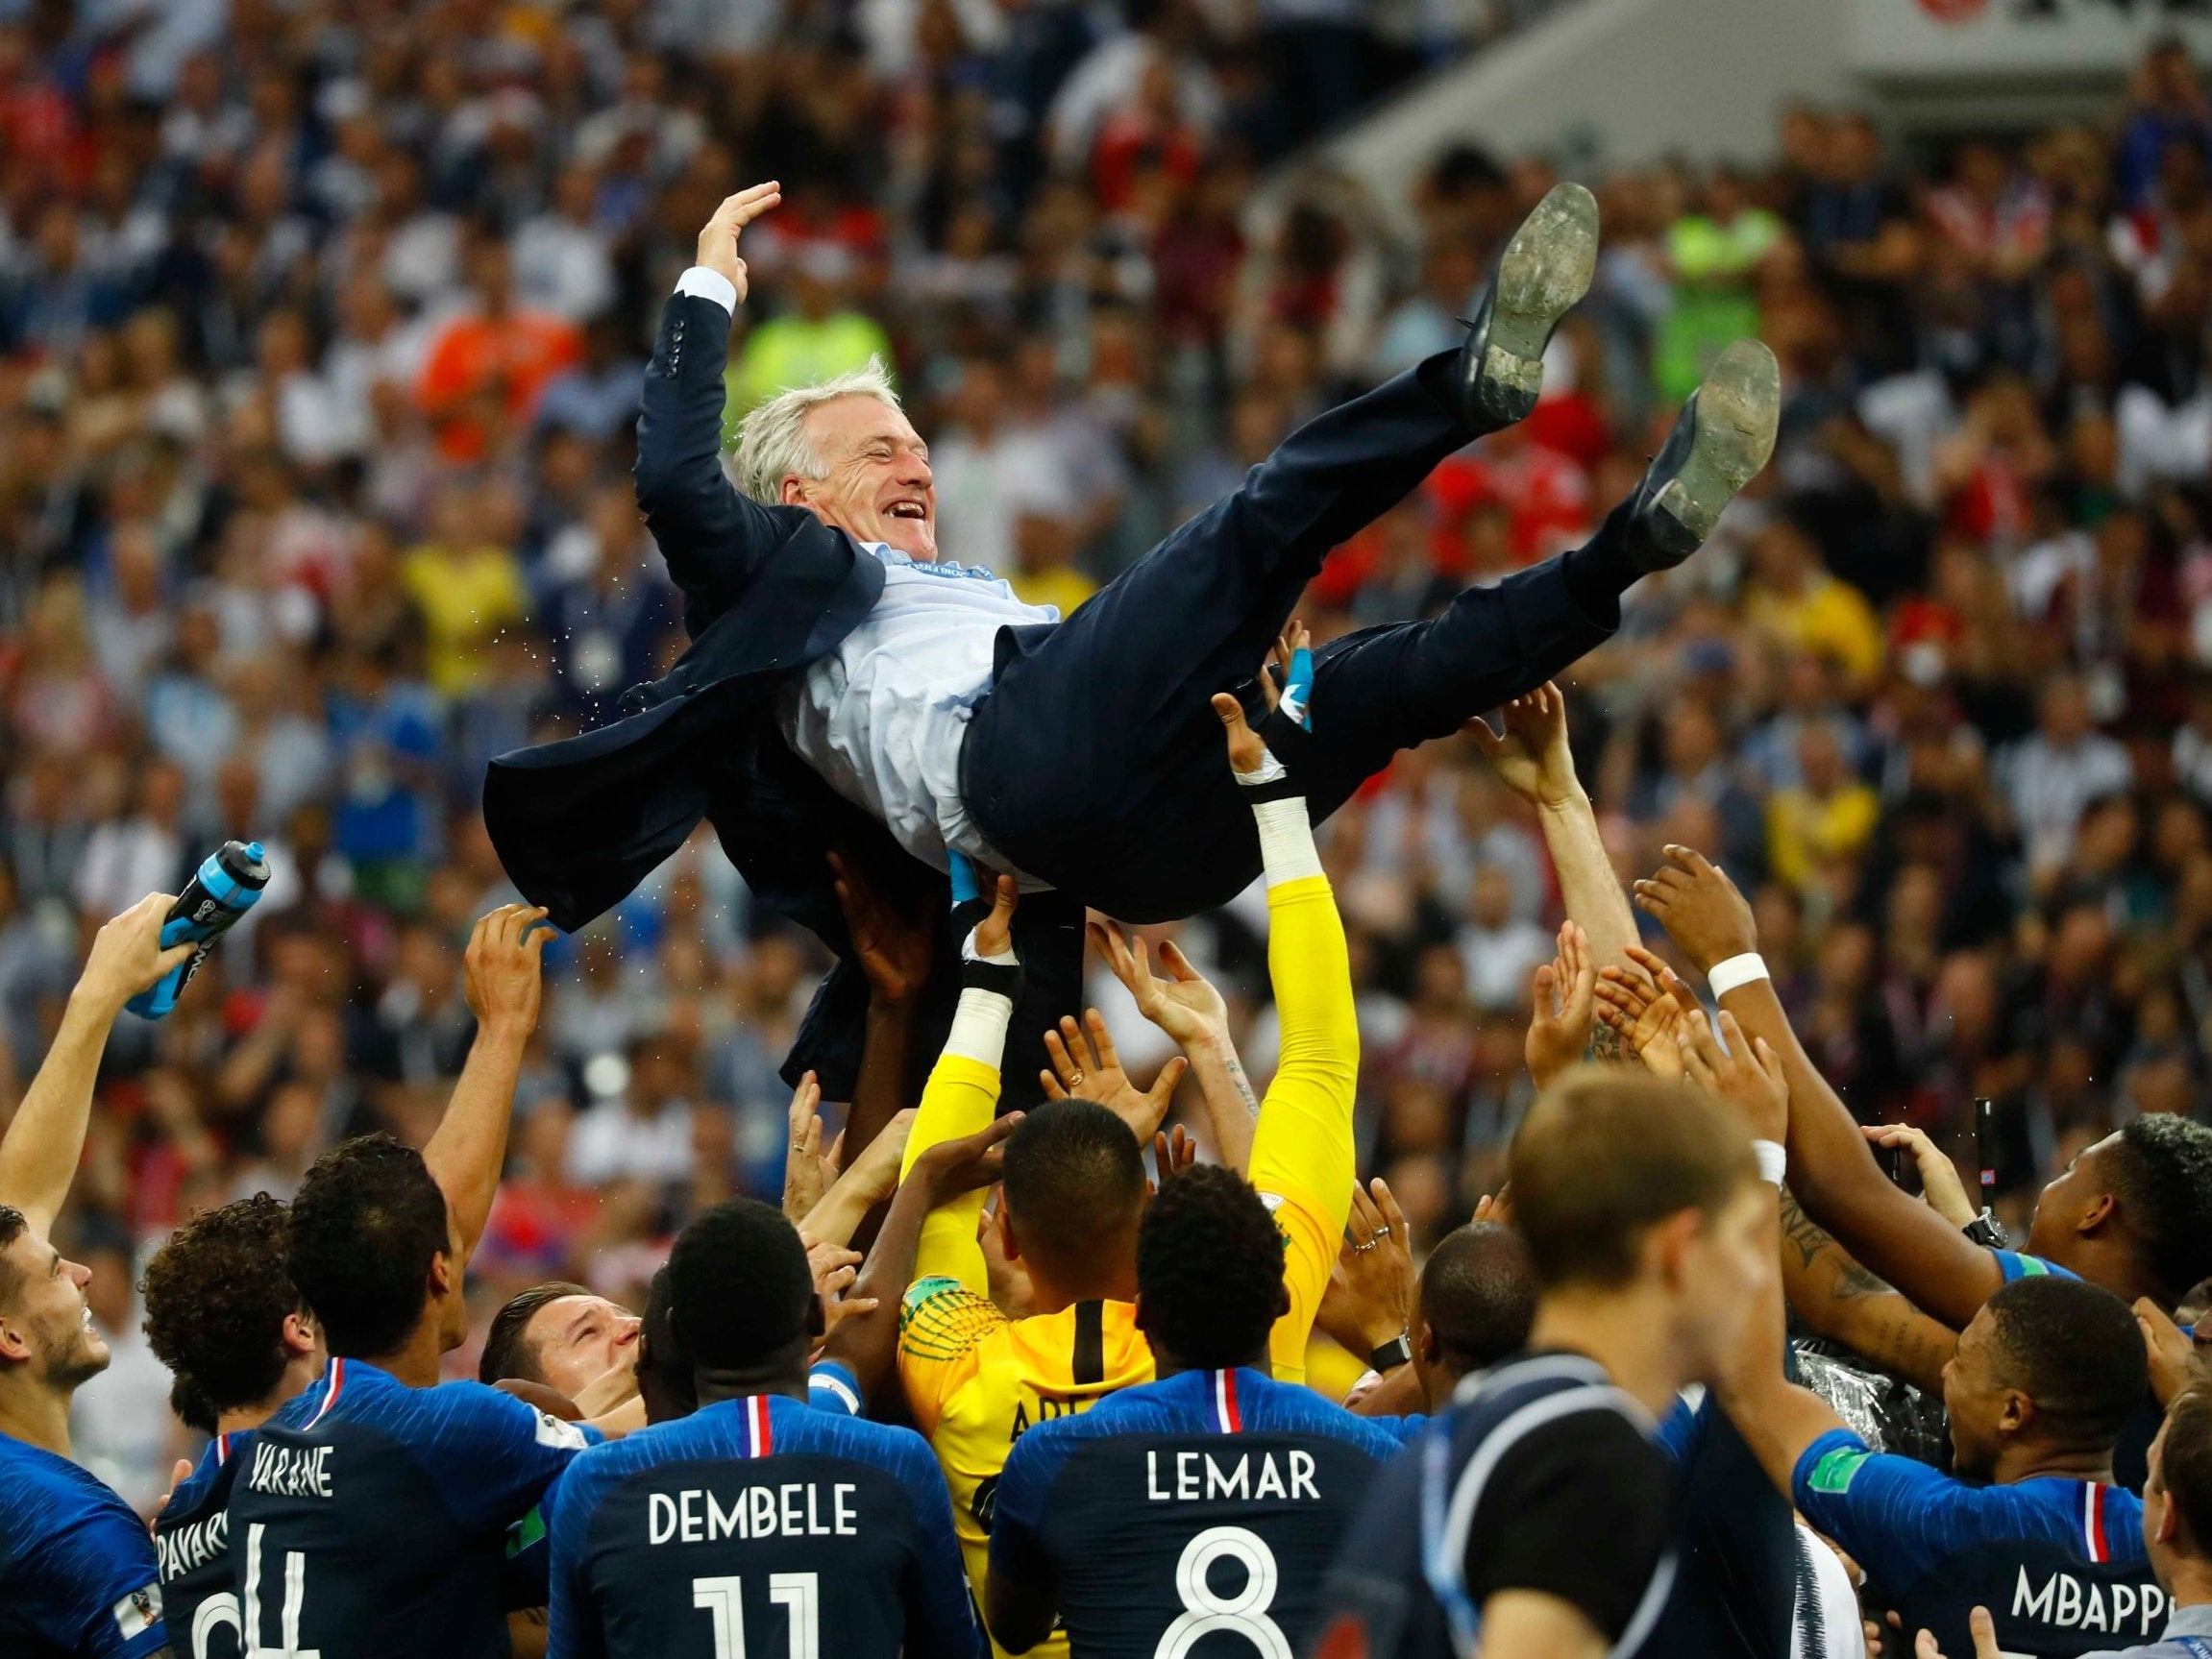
(1720, 440)
(1546, 267)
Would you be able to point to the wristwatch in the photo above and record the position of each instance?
(1985, 1228)
(1397, 1352)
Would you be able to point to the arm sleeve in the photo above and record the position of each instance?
(941, 1619)
(1580, 1509)
(573, 1629)
(495, 1455)
(941, 1323)
(93, 1587)
(1901, 1519)
(961, 1098)
(1303, 1159)
(1017, 1513)
(713, 537)
(831, 1387)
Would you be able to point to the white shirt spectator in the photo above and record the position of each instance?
(984, 487)
(2051, 785)
(119, 1421)
(126, 859)
(562, 266)
(610, 1142)
(1499, 960)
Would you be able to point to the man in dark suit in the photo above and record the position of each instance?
(848, 685)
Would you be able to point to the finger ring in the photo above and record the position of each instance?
(1075, 1078)
(1379, 1233)
(1362, 1249)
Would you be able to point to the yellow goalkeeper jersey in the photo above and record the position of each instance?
(976, 1379)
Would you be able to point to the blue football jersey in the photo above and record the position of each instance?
(372, 1519)
(2059, 1563)
(1194, 1515)
(77, 1573)
(761, 1527)
(193, 1546)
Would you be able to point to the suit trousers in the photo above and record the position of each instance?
(1096, 761)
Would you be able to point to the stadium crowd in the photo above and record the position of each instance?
(321, 332)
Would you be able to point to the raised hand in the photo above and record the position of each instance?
(1288, 713)
(1370, 1295)
(953, 1167)
(806, 1173)
(895, 950)
(1532, 757)
(1086, 1066)
(1747, 1074)
(1173, 1153)
(1185, 1005)
(994, 932)
(1940, 1181)
(2175, 1362)
(718, 241)
(1694, 900)
(127, 956)
(1560, 1025)
(502, 971)
(1497, 1207)
(1644, 1005)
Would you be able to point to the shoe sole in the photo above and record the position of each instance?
(1545, 269)
(1738, 408)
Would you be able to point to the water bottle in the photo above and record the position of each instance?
(225, 889)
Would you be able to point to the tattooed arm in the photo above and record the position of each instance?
(1844, 1302)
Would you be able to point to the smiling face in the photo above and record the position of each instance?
(45, 1320)
(875, 484)
(577, 1340)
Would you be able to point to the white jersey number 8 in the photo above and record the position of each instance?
(1243, 1613)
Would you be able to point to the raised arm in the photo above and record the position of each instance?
(1185, 1005)
(896, 952)
(1303, 1159)
(962, 1095)
(1841, 1300)
(1535, 761)
(45, 1139)
(713, 537)
(503, 981)
(1832, 1169)
(868, 1342)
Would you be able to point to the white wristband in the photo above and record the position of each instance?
(1287, 851)
(1736, 972)
(979, 1027)
(1773, 1160)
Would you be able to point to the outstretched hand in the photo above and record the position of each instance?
(1694, 900)
(1559, 1022)
(994, 932)
(1532, 758)
(502, 969)
(1644, 1005)
(1249, 752)
(1747, 1074)
(895, 950)
(1085, 1065)
(1185, 1005)
(718, 241)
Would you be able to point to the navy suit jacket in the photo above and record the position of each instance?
(767, 591)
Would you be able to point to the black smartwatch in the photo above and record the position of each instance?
(1397, 1352)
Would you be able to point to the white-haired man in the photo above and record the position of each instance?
(835, 644)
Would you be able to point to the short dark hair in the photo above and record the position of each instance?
(663, 1363)
(2185, 1461)
(2075, 1350)
(13, 1225)
(1074, 1179)
(216, 1295)
(1478, 1294)
(2161, 1172)
(367, 1223)
(1603, 1155)
(738, 1284)
(1210, 1268)
(508, 1351)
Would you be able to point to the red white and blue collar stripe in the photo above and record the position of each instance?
(335, 1386)
(2095, 1503)
(1228, 1418)
(759, 1428)
(222, 1449)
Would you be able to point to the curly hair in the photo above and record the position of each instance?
(1210, 1269)
(216, 1296)
(2161, 1172)
(367, 1223)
